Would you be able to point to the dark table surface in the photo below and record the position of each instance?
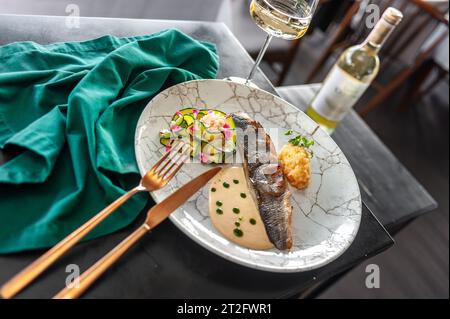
(167, 263)
(387, 187)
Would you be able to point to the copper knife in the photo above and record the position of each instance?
(155, 216)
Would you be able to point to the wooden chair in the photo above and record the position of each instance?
(419, 16)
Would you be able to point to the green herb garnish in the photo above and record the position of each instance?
(289, 132)
(236, 210)
(300, 140)
(243, 195)
(219, 211)
(238, 233)
(219, 203)
(226, 185)
(252, 221)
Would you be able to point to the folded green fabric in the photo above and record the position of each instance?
(68, 112)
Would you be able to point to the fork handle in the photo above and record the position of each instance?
(22, 279)
(95, 271)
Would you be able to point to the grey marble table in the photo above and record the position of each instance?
(166, 264)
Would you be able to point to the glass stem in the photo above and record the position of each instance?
(259, 58)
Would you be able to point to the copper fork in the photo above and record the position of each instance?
(156, 178)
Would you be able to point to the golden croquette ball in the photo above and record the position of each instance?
(296, 164)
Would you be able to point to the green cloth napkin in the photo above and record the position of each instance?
(69, 113)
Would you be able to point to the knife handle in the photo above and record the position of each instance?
(27, 275)
(95, 271)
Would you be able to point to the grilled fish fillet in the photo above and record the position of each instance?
(266, 180)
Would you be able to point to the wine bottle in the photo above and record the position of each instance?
(352, 75)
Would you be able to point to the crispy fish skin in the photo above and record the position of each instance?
(266, 180)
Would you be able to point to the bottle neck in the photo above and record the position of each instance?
(371, 48)
(377, 38)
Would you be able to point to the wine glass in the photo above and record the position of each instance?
(286, 19)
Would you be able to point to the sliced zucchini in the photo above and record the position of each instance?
(165, 141)
(230, 122)
(219, 113)
(213, 155)
(178, 120)
(165, 134)
(201, 113)
(185, 111)
(165, 137)
(178, 117)
(188, 119)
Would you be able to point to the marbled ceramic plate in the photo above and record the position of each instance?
(326, 215)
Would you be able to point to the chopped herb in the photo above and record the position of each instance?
(213, 189)
(252, 221)
(301, 141)
(226, 185)
(235, 181)
(236, 210)
(219, 203)
(219, 211)
(243, 195)
(238, 233)
(289, 132)
(237, 224)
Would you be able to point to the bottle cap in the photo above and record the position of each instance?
(393, 16)
(390, 19)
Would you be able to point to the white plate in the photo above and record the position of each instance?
(326, 215)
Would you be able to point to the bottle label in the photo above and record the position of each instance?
(338, 95)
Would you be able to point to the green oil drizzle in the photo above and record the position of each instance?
(238, 233)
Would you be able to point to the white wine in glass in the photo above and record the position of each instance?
(286, 19)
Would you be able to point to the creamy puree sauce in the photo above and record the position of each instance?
(233, 210)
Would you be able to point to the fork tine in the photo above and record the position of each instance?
(174, 160)
(175, 144)
(173, 155)
(183, 156)
(160, 160)
(168, 178)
